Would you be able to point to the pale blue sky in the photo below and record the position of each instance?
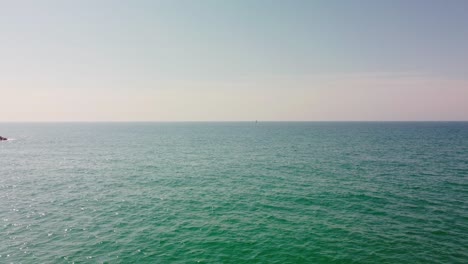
(233, 60)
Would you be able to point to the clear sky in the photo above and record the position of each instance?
(211, 60)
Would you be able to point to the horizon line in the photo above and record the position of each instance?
(238, 121)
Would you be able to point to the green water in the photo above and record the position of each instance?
(234, 193)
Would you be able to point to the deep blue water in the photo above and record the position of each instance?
(289, 192)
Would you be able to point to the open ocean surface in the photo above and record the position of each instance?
(270, 192)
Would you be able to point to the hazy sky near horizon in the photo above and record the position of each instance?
(208, 60)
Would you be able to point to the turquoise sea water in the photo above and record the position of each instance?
(234, 193)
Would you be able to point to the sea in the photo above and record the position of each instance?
(234, 192)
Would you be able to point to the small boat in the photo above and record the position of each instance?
(3, 138)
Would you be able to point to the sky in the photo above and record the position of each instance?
(237, 60)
